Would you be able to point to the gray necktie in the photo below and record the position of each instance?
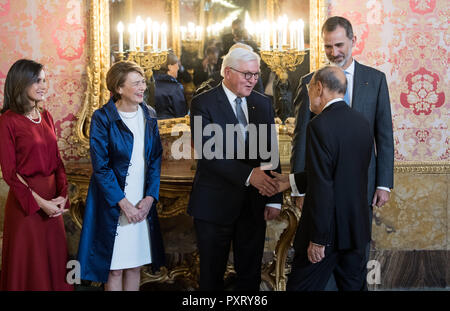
(346, 97)
(241, 116)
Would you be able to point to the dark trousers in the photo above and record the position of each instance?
(331, 285)
(247, 236)
(347, 266)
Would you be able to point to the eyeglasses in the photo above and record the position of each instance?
(248, 75)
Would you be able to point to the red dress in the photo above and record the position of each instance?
(34, 254)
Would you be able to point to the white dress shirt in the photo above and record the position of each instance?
(350, 73)
(231, 99)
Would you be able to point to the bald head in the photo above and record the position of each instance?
(327, 83)
(332, 78)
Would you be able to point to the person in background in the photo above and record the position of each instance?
(34, 253)
(121, 230)
(208, 67)
(169, 93)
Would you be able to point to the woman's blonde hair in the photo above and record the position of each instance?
(117, 75)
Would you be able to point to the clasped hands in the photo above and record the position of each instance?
(138, 213)
(266, 185)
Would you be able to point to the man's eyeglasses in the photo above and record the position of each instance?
(248, 75)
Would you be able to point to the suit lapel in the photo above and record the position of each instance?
(360, 88)
(225, 107)
(252, 111)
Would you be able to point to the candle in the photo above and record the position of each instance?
(131, 31)
(300, 38)
(283, 24)
(183, 31)
(292, 29)
(163, 37)
(191, 31)
(156, 29)
(120, 30)
(140, 29)
(148, 21)
(198, 33)
(280, 39)
(274, 36)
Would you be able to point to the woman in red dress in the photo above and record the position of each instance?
(34, 254)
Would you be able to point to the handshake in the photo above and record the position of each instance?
(266, 185)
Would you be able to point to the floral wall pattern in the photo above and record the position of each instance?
(53, 33)
(409, 41)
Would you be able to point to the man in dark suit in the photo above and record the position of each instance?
(334, 227)
(227, 200)
(367, 93)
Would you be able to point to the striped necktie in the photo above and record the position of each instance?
(241, 117)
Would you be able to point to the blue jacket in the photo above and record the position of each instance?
(169, 97)
(111, 145)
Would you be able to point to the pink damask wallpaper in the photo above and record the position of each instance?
(54, 33)
(409, 41)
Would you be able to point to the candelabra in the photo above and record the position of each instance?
(148, 59)
(282, 61)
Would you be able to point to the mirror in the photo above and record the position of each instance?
(173, 13)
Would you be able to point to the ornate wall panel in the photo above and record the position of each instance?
(409, 42)
(53, 33)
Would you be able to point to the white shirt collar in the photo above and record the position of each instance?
(332, 102)
(231, 99)
(230, 95)
(351, 69)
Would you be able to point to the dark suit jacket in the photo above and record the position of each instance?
(219, 192)
(169, 97)
(339, 149)
(371, 98)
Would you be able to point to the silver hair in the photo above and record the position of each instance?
(237, 56)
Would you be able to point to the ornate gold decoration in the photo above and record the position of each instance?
(285, 132)
(275, 273)
(422, 167)
(174, 7)
(282, 61)
(96, 94)
(318, 13)
(78, 176)
(147, 59)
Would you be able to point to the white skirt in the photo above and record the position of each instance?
(131, 246)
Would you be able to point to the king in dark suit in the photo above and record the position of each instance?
(227, 200)
(334, 227)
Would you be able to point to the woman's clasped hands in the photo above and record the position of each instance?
(138, 213)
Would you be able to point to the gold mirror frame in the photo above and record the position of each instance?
(99, 57)
(99, 62)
